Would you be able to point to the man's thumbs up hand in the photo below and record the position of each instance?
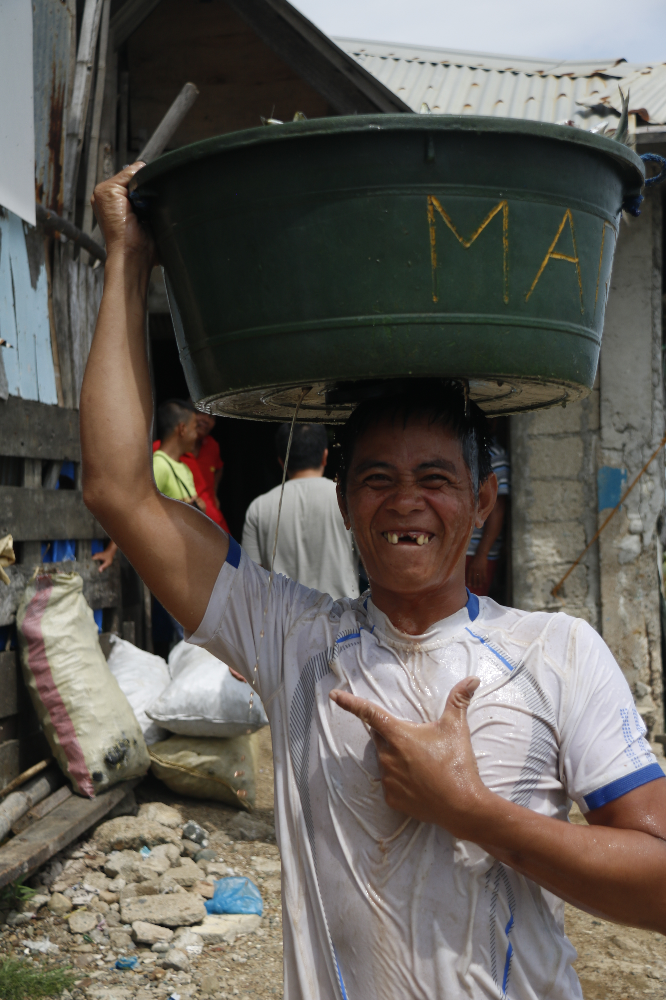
(428, 769)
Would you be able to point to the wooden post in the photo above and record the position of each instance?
(76, 124)
(52, 323)
(93, 145)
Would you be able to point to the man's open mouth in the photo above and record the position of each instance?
(408, 537)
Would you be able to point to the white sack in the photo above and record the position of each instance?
(142, 677)
(86, 718)
(203, 699)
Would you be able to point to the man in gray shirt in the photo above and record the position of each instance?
(314, 547)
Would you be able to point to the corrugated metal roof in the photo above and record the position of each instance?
(476, 83)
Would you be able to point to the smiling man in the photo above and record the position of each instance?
(427, 743)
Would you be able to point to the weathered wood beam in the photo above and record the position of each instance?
(35, 431)
(346, 85)
(78, 111)
(32, 848)
(35, 515)
(101, 590)
(129, 17)
(95, 125)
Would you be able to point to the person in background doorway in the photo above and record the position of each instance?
(206, 466)
(178, 430)
(486, 544)
(314, 546)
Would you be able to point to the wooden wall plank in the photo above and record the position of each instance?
(8, 683)
(53, 25)
(32, 430)
(101, 590)
(38, 515)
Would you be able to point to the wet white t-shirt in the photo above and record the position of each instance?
(377, 906)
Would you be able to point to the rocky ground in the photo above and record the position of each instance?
(104, 899)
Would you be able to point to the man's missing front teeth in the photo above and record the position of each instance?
(413, 537)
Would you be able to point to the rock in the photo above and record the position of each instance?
(205, 889)
(188, 942)
(268, 865)
(245, 827)
(187, 874)
(144, 933)
(135, 889)
(111, 919)
(176, 909)
(207, 854)
(158, 812)
(160, 947)
(37, 901)
(96, 880)
(122, 864)
(16, 919)
(218, 869)
(121, 940)
(177, 960)
(59, 904)
(189, 848)
(209, 984)
(117, 884)
(132, 833)
(192, 831)
(152, 867)
(169, 851)
(82, 922)
(108, 897)
(98, 905)
(219, 928)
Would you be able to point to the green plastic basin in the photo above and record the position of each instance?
(318, 255)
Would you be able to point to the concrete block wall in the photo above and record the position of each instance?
(570, 466)
(554, 459)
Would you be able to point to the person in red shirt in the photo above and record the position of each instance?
(206, 466)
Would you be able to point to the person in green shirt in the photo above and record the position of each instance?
(177, 425)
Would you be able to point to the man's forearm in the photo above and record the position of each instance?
(618, 874)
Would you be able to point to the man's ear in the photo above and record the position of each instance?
(342, 504)
(487, 497)
(324, 458)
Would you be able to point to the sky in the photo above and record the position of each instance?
(566, 29)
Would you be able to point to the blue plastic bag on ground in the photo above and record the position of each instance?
(235, 895)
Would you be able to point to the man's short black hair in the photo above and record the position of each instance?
(441, 401)
(307, 446)
(172, 413)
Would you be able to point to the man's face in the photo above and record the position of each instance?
(190, 432)
(205, 424)
(410, 503)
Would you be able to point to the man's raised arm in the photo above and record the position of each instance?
(176, 550)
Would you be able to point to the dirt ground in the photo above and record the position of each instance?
(613, 962)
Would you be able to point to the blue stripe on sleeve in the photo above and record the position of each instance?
(234, 553)
(602, 796)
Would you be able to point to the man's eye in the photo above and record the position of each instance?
(377, 478)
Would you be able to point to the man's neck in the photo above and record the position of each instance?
(307, 473)
(173, 448)
(415, 614)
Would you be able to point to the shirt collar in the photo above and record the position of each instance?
(438, 633)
